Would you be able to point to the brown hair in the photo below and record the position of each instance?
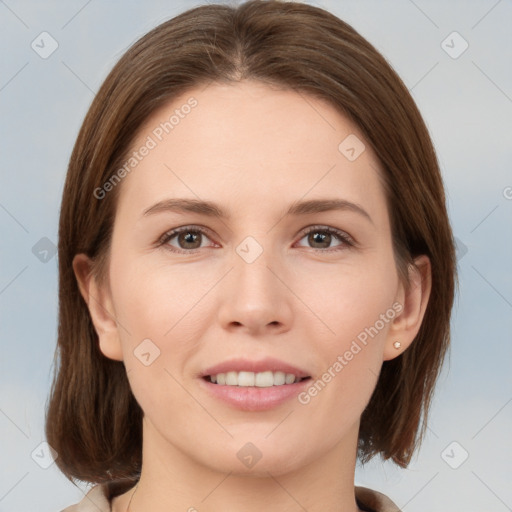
(93, 420)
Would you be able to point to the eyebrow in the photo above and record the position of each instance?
(297, 208)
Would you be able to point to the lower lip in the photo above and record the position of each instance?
(254, 398)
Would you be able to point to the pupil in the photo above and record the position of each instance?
(317, 237)
(189, 238)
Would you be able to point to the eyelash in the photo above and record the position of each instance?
(341, 235)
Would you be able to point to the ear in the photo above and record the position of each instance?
(99, 301)
(413, 301)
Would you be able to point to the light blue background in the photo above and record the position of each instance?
(467, 104)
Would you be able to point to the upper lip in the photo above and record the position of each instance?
(262, 365)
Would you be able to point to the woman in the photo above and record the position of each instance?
(256, 270)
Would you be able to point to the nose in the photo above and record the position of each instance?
(255, 296)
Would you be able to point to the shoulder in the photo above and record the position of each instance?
(94, 501)
(375, 500)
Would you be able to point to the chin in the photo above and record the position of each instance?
(256, 458)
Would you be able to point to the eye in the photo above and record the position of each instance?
(323, 236)
(188, 238)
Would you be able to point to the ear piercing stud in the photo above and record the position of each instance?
(397, 345)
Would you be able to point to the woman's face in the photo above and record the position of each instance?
(268, 274)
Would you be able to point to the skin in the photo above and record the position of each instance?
(253, 150)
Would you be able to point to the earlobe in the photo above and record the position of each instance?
(99, 302)
(414, 300)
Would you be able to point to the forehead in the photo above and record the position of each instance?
(248, 142)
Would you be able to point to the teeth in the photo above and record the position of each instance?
(260, 380)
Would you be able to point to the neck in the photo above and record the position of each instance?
(172, 481)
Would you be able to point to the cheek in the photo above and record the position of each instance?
(155, 299)
(360, 313)
(162, 312)
(156, 307)
(352, 296)
(356, 303)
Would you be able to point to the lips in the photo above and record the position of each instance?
(262, 396)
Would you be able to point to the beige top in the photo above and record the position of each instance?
(96, 501)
